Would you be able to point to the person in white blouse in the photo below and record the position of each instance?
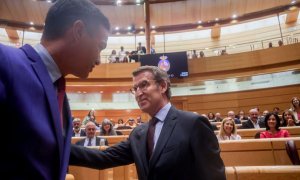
(228, 130)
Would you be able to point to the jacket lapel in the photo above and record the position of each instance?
(49, 89)
(165, 134)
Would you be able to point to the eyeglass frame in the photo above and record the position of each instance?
(141, 87)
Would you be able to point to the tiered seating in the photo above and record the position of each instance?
(244, 159)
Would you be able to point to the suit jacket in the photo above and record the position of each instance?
(82, 133)
(81, 142)
(38, 147)
(187, 148)
(249, 125)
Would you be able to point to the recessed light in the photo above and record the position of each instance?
(199, 22)
(293, 2)
(217, 19)
(117, 28)
(234, 16)
(153, 27)
(31, 23)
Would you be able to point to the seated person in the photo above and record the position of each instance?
(113, 58)
(272, 123)
(131, 123)
(107, 128)
(228, 130)
(288, 118)
(121, 54)
(202, 54)
(77, 131)
(91, 139)
(223, 52)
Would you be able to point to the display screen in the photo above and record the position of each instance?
(175, 64)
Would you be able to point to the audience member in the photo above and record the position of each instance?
(296, 108)
(107, 128)
(152, 50)
(228, 130)
(270, 45)
(194, 54)
(276, 110)
(121, 54)
(218, 117)
(113, 58)
(131, 122)
(288, 118)
(272, 123)
(232, 115)
(223, 52)
(211, 116)
(202, 54)
(280, 43)
(141, 49)
(174, 144)
(91, 138)
(242, 116)
(32, 89)
(253, 122)
(77, 131)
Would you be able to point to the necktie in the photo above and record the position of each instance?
(90, 142)
(61, 90)
(150, 136)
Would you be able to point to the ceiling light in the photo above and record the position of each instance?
(234, 16)
(141, 27)
(119, 2)
(153, 27)
(199, 22)
(293, 2)
(117, 28)
(217, 19)
(31, 23)
(129, 28)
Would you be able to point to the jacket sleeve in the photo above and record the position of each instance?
(206, 151)
(117, 155)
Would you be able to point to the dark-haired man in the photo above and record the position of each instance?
(32, 90)
(173, 145)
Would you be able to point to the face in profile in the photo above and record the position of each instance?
(228, 126)
(86, 49)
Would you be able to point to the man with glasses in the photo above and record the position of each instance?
(173, 145)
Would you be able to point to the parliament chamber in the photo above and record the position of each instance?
(251, 74)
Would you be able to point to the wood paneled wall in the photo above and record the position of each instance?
(113, 115)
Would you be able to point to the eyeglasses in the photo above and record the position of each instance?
(142, 86)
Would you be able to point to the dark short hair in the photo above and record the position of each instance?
(277, 120)
(64, 13)
(159, 76)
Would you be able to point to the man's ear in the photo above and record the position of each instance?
(163, 86)
(78, 30)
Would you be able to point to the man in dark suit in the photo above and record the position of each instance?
(77, 131)
(253, 121)
(173, 145)
(91, 138)
(141, 49)
(32, 93)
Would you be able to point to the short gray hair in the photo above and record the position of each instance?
(159, 76)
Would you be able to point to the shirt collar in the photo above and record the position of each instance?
(49, 62)
(162, 113)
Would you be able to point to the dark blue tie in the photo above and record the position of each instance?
(150, 136)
